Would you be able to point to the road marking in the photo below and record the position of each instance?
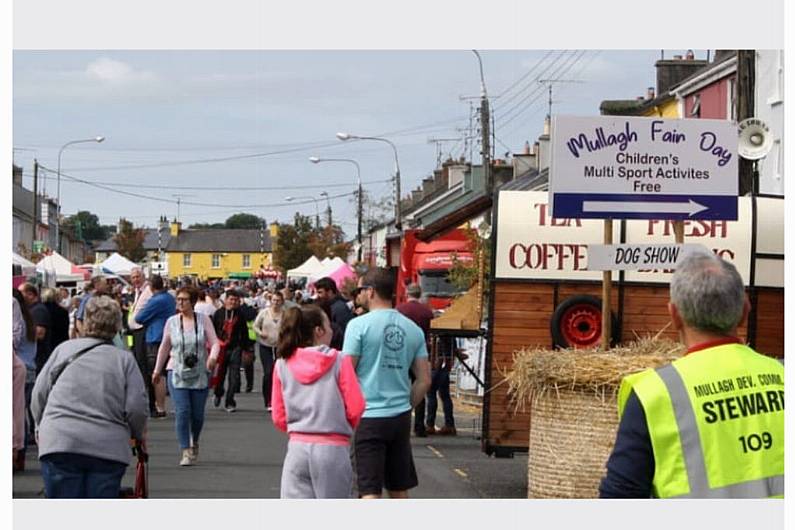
(434, 451)
(464, 475)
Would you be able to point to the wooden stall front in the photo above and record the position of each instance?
(523, 301)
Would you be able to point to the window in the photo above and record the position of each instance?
(695, 111)
(777, 95)
(186, 260)
(216, 261)
(246, 261)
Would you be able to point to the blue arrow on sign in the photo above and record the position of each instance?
(620, 206)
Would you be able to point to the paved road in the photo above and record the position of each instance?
(241, 457)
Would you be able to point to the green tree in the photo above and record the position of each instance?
(87, 224)
(292, 248)
(130, 241)
(206, 226)
(330, 242)
(244, 220)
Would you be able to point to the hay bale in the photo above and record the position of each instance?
(573, 415)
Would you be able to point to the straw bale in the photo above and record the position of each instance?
(573, 412)
(537, 371)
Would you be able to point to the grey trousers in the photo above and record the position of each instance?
(316, 471)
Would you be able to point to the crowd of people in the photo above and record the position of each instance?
(341, 376)
(337, 371)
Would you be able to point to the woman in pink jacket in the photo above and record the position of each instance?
(316, 399)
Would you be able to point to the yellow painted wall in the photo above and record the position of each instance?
(230, 262)
(667, 109)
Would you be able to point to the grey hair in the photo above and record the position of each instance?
(102, 318)
(414, 290)
(48, 295)
(708, 292)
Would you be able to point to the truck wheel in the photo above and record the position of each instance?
(577, 323)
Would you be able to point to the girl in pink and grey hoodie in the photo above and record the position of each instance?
(316, 399)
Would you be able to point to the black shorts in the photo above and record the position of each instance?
(383, 455)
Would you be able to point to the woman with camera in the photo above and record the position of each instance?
(191, 347)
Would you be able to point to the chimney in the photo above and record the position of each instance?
(274, 230)
(546, 125)
(416, 195)
(526, 150)
(689, 56)
(650, 93)
(671, 72)
(440, 179)
(16, 173)
(176, 227)
(427, 186)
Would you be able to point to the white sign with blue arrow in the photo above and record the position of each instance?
(643, 168)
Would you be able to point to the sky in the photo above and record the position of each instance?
(200, 131)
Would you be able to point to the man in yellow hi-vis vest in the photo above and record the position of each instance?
(710, 424)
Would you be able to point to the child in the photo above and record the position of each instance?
(316, 399)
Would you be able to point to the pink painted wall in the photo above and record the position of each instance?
(714, 100)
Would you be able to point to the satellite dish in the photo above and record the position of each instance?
(755, 140)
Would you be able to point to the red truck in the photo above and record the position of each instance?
(429, 264)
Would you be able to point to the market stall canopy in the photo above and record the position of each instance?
(343, 273)
(64, 270)
(306, 269)
(117, 264)
(22, 262)
(327, 270)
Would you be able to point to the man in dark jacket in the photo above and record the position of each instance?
(340, 313)
(230, 326)
(43, 322)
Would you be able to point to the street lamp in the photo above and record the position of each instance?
(317, 209)
(346, 136)
(316, 160)
(99, 140)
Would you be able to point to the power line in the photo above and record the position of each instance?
(531, 84)
(536, 65)
(190, 203)
(582, 68)
(524, 105)
(537, 89)
(220, 188)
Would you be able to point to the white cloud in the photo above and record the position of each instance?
(109, 70)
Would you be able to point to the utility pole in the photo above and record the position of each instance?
(35, 203)
(485, 127)
(746, 74)
(359, 220)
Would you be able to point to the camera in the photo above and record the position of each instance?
(191, 360)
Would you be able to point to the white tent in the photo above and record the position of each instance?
(63, 269)
(26, 267)
(22, 262)
(306, 269)
(330, 267)
(117, 264)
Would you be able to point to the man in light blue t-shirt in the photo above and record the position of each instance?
(384, 345)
